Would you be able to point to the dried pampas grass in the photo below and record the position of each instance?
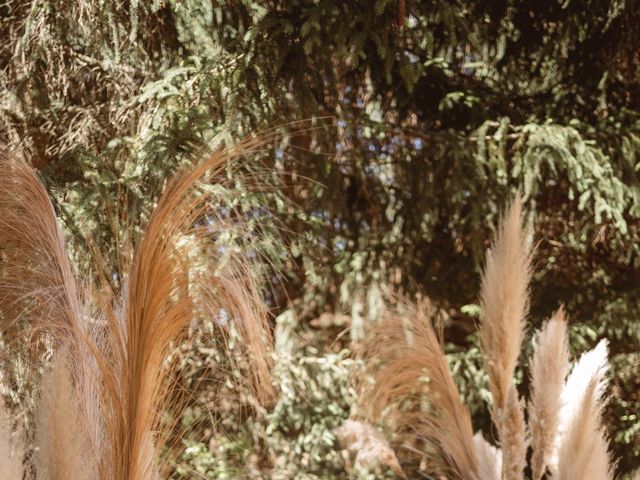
(61, 432)
(504, 298)
(12, 449)
(40, 305)
(111, 391)
(580, 433)
(406, 360)
(37, 287)
(367, 446)
(549, 368)
(489, 459)
(583, 449)
(164, 294)
(407, 366)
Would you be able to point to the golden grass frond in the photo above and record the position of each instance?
(549, 368)
(165, 292)
(37, 286)
(39, 299)
(113, 384)
(12, 452)
(407, 361)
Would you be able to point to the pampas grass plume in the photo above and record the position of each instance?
(584, 451)
(109, 406)
(412, 357)
(11, 448)
(63, 448)
(549, 368)
(489, 459)
(504, 298)
(591, 366)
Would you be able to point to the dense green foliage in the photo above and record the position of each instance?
(435, 119)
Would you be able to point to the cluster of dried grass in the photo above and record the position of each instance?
(107, 405)
(108, 400)
(562, 423)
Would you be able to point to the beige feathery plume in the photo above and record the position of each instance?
(489, 459)
(504, 300)
(11, 449)
(38, 295)
(584, 451)
(549, 368)
(119, 370)
(407, 362)
(512, 431)
(63, 450)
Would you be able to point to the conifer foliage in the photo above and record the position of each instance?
(428, 116)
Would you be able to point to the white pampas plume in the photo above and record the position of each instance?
(583, 450)
(489, 458)
(549, 368)
(592, 364)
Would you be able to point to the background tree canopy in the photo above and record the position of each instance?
(429, 116)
